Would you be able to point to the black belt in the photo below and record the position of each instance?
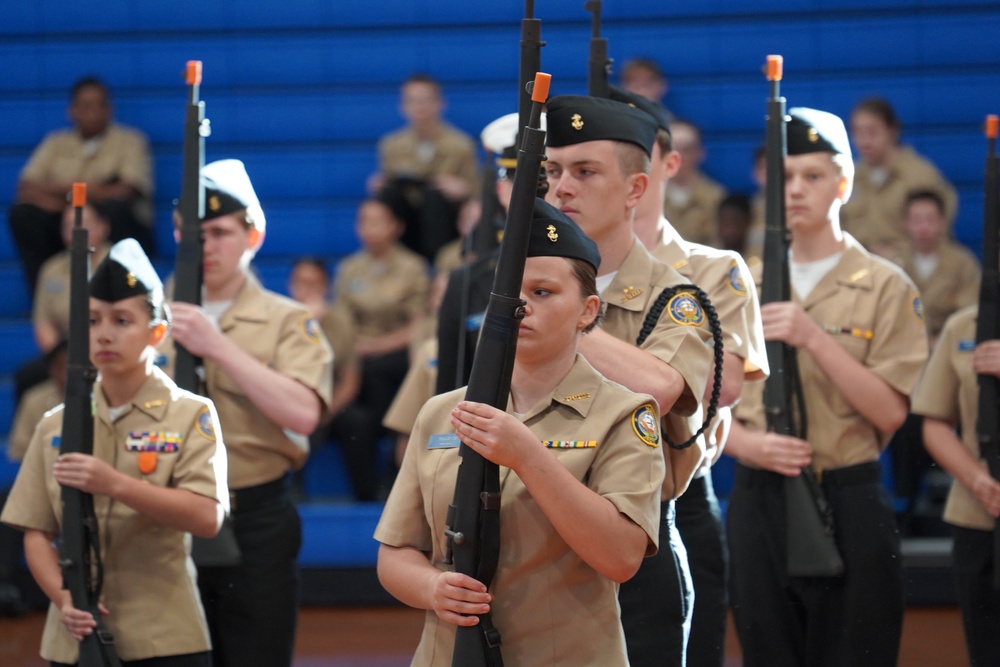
(254, 497)
(862, 473)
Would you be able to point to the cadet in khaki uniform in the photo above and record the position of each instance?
(856, 321)
(947, 397)
(268, 369)
(886, 173)
(726, 278)
(598, 158)
(691, 198)
(417, 388)
(580, 480)
(157, 473)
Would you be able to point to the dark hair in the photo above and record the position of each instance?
(89, 82)
(664, 140)
(309, 260)
(645, 63)
(586, 278)
(880, 107)
(925, 194)
(393, 201)
(739, 202)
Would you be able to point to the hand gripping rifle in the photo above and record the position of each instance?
(474, 515)
(988, 323)
(811, 551)
(599, 65)
(79, 544)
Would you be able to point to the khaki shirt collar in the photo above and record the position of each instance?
(153, 397)
(672, 249)
(851, 271)
(631, 280)
(576, 391)
(247, 306)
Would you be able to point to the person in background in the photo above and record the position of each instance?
(429, 165)
(947, 398)
(268, 370)
(692, 198)
(733, 221)
(856, 321)
(113, 160)
(579, 506)
(156, 474)
(887, 171)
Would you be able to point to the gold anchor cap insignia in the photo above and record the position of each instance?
(553, 236)
(130, 279)
(214, 203)
(577, 121)
(813, 135)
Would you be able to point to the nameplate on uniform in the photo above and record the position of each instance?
(443, 441)
(152, 441)
(475, 322)
(569, 444)
(967, 345)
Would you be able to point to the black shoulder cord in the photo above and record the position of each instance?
(653, 316)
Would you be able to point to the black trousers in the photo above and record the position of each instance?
(430, 218)
(187, 660)
(699, 521)
(252, 608)
(972, 559)
(854, 619)
(656, 603)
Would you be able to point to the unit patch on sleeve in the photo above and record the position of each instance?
(684, 309)
(734, 279)
(204, 424)
(310, 327)
(646, 425)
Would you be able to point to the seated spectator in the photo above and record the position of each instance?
(733, 225)
(692, 198)
(50, 309)
(383, 291)
(886, 172)
(112, 159)
(430, 164)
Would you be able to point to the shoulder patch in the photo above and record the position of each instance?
(918, 309)
(310, 329)
(646, 425)
(204, 424)
(734, 280)
(684, 309)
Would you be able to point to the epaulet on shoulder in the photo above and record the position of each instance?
(53, 411)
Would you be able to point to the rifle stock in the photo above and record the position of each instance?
(188, 262)
(988, 323)
(598, 65)
(79, 546)
(808, 518)
(474, 516)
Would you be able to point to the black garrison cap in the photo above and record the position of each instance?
(124, 273)
(554, 234)
(657, 111)
(228, 190)
(814, 131)
(574, 119)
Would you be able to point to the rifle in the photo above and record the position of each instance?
(79, 545)
(188, 262)
(474, 515)
(812, 551)
(988, 322)
(599, 65)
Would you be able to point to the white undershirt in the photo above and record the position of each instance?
(115, 413)
(806, 275)
(925, 264)
(215, 309)
(604, 282)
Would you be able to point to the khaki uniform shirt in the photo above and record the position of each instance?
(693, 211)
(949, 391)
(724, 276)
(874, 312)
(874, 214)
(122, 153)
(417, 388)
(550, 607)
(757, 231)
(150, 587)
(454, 153)
(281, 334)
(33, 405)
(51, 304)
(382, 296)
(953, 285)
(339, 330)
(679, 339)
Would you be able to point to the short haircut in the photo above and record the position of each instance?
(924, 194)
(309, 260)
(642, 63)
(880, 108)
(665, 141)
(421, 77)
(89, 82)
(631, 158)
